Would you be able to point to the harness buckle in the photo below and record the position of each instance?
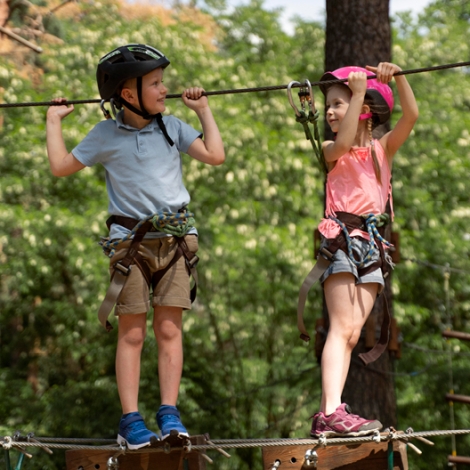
(123, 269)
(192, 263)
(327, 254)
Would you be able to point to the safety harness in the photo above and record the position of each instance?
(349, 222)
(176, 224)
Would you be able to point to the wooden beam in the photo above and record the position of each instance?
(458, 459)
(458, 398)
(23, 41)
(171, 459)
(367, 456)
(456, 334)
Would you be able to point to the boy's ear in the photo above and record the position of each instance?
(127, 94)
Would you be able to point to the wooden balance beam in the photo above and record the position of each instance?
(366, 456)
(166, 459)
(458, 459)
(458, 398)
(456, 334)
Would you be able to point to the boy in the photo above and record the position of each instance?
(140, 151)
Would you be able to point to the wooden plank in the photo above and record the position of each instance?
(139, 460)
(458, 398)
(456, 334)
(458, 459)
(367, 456)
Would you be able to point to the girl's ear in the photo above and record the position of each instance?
(365, 109)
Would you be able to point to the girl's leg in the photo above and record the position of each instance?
(131, 335)
(348, 308)
(364, 302)
(167, 325)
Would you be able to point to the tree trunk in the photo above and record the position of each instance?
(4, 11)
(358, 33)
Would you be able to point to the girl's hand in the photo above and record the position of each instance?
(59, 111)
(357, 82)
(194, 99)
(384, 71)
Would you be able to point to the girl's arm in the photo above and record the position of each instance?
(394, 139)
(62, 162)
(211, 149)
(333, 150)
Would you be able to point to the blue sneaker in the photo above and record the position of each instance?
(133, 432)
(169, 422)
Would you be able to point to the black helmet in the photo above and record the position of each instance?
(125, 62)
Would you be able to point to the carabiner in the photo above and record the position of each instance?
(289, 96)
(106, 113)
(306, 94)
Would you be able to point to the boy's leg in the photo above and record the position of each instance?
(131, 336)
(167, 324)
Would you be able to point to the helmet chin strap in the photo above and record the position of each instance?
(144, 113)
(365, 116)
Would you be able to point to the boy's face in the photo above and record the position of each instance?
(153, 92)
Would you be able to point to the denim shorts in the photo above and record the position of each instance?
(343, 264)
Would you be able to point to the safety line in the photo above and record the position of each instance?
(9, 443)
(244, 90)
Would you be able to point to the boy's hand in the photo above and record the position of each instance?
(384, 71)
(357, 82)
(59, 111)
(193, 98)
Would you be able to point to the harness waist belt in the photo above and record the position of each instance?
(123, 267)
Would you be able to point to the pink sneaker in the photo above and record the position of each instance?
(313, 431)
(343, 423)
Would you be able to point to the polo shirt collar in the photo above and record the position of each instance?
(151, 126)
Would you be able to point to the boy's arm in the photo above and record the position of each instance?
(211, 149)
(61, 161)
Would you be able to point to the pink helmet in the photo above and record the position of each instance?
(379, 92)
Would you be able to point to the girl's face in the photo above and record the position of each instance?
(337, 103)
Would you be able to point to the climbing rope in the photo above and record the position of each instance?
(307, 99)
(243, 90)
(177, 224)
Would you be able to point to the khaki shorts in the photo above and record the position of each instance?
(173, 290)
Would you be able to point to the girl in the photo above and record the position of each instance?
(358, 184)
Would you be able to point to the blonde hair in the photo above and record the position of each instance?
(378, 173)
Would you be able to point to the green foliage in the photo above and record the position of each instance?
(246, 373)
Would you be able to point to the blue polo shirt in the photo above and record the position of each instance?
(143, 172)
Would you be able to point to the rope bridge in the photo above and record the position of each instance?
(184, 446)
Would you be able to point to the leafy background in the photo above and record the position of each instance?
(246, 374)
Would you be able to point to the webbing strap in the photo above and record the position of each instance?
(121, 272)
(313, 276)
(123, 267)
(382, 343)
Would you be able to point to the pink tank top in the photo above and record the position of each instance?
(353, 187)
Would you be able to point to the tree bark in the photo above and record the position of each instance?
(358, 33)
